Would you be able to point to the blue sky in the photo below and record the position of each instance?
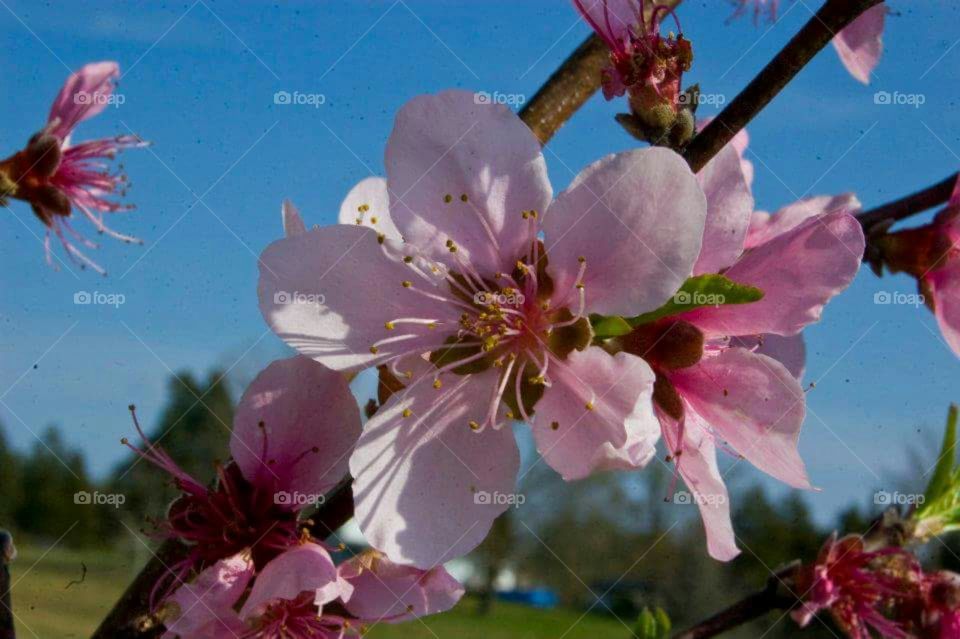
(199, 81)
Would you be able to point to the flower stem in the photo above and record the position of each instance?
(7, 630)
(909, 205)
(832, 17)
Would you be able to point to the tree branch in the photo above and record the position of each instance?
(832, 17)
(909, 205)
(7, 554)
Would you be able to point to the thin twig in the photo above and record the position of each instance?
(7, 554)
(832, 17)
(909, 205)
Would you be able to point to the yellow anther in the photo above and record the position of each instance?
(453, 249)
(580, 286)
(448, 198)
(389, 326)
(581, 259)
(437, 384)
(374, 350)
(407, 412)
(408, 375)
(588, 405)
(408, 259)
(497, 275)
(533, 214)
(525, 214)
(363, 208)
(555, 425)
(463, 197)
(381, 237)
(474, 425)
(539, 380)
(407, 283)
(545, 306)
(509, 414)
(373, 220)
(359, 220)
(431, 326)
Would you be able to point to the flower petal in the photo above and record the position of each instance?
(577, 441)
(638, 218)
(292, 221)
(420, 480)
(755, 404)
(729, 207)
(740, 142)
(789, 351)
(764, 227)
(861, 43)
(204, 607)
(696, 459)
(83, 96)
(383, 590)
(368, 203)
(798, 272)
(330, 292)
(304, 568)
(611, 19)
(295, 428)
(945, 289)
(462, 169)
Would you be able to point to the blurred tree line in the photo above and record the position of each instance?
(608, 545)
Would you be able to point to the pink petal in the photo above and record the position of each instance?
(789, 351)
(611, 19)
(740, 142)
(577, 441)
(383, 590)
(306, 568)
(798, 272)
(83, 96)
(304, 407)
(697, 465)
(755, 404)
(764, 227)
(945, 288)
(330, 292)
(366, 202)
(425, 484)
(204, 607)
(729, 207)
(456, 144)
(292, 221)
(638, 218)
(861, 43)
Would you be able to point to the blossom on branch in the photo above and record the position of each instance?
(56, 176)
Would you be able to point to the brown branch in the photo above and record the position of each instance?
(774, 597)
(7, 554)
(832, 17)
(909, 205)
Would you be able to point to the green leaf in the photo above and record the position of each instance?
(652, 625)
(606, 326)
(943, 475)
(663, 622)
(700, 291)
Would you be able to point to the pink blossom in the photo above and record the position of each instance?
(293, 431)
(643, 63)
(729, 373)
(931, 253)
(300, 594)
(55, 176)
(941, 605)
(481, 320)
(859, 45)
(855, 587)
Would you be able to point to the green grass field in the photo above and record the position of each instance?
(49, 606)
